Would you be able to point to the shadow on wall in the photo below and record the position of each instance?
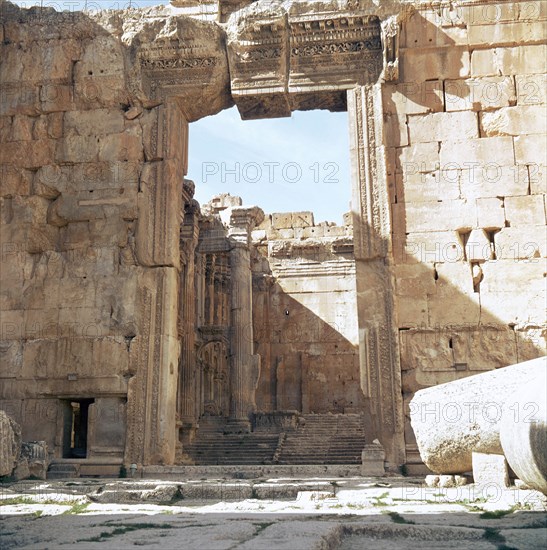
(306, 363)
(467, 246)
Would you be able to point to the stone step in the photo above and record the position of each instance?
(63, 471)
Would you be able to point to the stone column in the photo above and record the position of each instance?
(187, 366)
(245, 366)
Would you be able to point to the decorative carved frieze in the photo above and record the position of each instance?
(186, 59)
(280, 59)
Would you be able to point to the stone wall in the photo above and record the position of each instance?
(89, 241)
(305, 315)
(465, 136)
(446, 110)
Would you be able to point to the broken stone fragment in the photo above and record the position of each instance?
(453, 420)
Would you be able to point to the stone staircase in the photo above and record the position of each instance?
(319, 439)
(324, 439)
(214, 447)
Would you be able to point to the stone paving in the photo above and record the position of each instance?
(314, 513)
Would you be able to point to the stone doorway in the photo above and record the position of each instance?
(75, 429)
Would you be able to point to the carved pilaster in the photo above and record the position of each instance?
(378, 346)
(152, 388)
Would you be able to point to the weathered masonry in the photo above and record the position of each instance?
(131, 317)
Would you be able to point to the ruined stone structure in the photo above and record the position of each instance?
(129, 314)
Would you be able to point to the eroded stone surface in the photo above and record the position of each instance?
(10, 444)
(105, 253)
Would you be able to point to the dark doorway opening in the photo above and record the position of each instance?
(75, 427)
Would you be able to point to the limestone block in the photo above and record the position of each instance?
(36, 455)
(12, 327)
(514, 121)
(315, 231)
(302, 219)
(157, 228)
(41, 238)
(453, 277)
(525, 210)
(123, 147)
(413, 97)
(432, 353)
(110, 356)
(22, 128)
(419, 157)
(54, 126)
(465, 309)
(490, 213)
(509, 61)
(21, 470)
(507, 33)
(428, 248)
(95, 122)
(56, 97)
(443, 126)
(433, 216)
(372, 460)
(17, 98)
(490, 469)
(453, 420)
(286, 233)
(422, 30)
(531, 89)
(413, 280)
(282, 221)
(27, 154)
(6, 128)
(15, 181)
(165, 133)
(412, 311)
(99, 91)
(505, 298)
(10, 443)
(520, 243)
(537, 176)
(11, 352)
(32, 210)
(530, 149)
(76, 149)
(484, 151)
(335, 231)
(487, 14)
(523, 433)
(508, 275)
(490, 180)
(430, 63)
(478, 247)
(431, 480)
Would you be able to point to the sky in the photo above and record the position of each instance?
(281, 165)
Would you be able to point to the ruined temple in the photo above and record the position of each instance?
(139, 327)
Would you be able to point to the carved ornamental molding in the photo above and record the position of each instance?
(270, 58)
(280, 62)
